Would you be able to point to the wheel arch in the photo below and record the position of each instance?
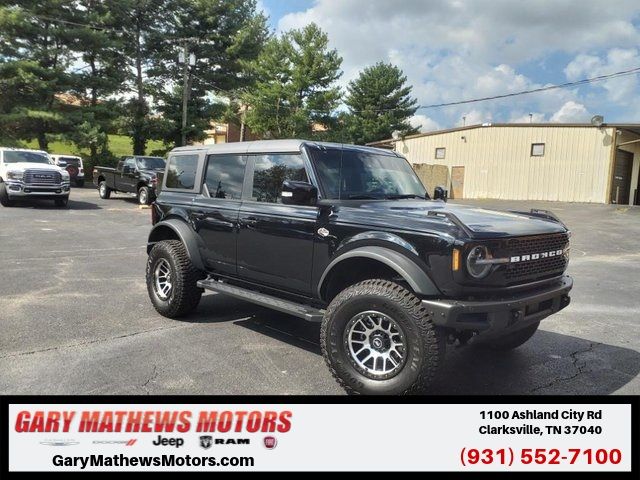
(174, 229)
(374, 261)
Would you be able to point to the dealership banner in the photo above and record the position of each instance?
(363, 436)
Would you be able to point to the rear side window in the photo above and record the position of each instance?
(181, 171)
(225, 176)
(273, 169)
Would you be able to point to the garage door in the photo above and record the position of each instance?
(621, 183)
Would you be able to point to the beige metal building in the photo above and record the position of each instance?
(557, 162)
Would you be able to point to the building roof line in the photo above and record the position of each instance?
(520, 125)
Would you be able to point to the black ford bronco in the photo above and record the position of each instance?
(347, 236)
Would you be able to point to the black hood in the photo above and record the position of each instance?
(419, 215)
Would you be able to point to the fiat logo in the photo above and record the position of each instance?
(270, 442)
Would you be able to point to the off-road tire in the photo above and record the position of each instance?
(144, 196)
(61, 202)
(425, 341)
(5, 201)
(104, 191)
(511, 340)
(185, 294)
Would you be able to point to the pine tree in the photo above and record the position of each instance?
(295, 90)
(379, 103)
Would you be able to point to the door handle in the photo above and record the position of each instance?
(250, 221)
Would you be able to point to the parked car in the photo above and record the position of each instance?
(134, 174)
(73, 165)
(28, 174)
(347, 236)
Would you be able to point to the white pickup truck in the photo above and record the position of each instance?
(26, 174)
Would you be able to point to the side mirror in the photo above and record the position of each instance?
(298, 193)
(439, 193)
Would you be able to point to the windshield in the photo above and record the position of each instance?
(351, 174)
(16, 156)
(150, 163)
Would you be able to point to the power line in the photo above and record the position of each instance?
(599, 78)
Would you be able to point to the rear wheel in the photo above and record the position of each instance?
(105, 192)
(144, 196)
(5, 201)
(378, 339)
(512, 340)
(172, 279)
(62, 201)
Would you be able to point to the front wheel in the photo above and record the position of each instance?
(144, 196)
(5, 200)
(61, 201)
(104, 191)
(377, 338)
(172, 279)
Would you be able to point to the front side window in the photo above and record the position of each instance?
(181, 172)
(17, 156)
(225, 176)
(130, 162)
(271, 171)
(351, 174)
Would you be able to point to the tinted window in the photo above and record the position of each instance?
(271, 170)
(351, 174)
(151, 163)
(225, 175)
(182, 171)
(16, 156)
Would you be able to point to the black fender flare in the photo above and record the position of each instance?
(184, 233)
(415, 276)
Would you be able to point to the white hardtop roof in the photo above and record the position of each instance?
(273, 146)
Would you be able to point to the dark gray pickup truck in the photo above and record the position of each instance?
(134, 174)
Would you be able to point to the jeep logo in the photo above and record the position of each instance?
(535, 256)
(171, 442)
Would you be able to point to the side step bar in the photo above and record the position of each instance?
(305, 312)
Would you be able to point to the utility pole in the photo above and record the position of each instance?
(185, 89)
(243, 126)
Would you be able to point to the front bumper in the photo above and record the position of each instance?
(498, 317)
(22, 190)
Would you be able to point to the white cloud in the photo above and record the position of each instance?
(424, 123)
(452, 50)
(571, 112)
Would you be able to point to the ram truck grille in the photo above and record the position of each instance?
(42, 177)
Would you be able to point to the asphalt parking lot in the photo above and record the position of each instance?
(76, 319)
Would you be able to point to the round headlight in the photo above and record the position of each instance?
(476, 268)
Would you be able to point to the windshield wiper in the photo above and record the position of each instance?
(407, 195)
(362, 197)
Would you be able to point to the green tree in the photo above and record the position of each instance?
(97, 44)
(145, 23)
(34, 57)
(222, 37)
(295, 89)
(379, 103)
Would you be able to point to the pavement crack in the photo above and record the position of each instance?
(152, 377)
(91, 342)
(575, 363)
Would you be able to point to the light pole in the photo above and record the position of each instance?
(187, 60)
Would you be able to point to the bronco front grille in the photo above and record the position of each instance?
(42, 177)
(548, 262)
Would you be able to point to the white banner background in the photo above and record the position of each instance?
(409, 437)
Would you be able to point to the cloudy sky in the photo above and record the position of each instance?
(454, 50)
